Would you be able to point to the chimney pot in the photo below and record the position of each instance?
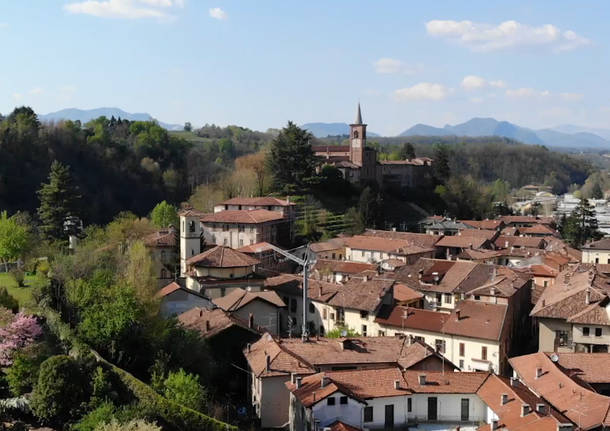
(458, 313)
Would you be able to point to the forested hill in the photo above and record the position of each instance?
(118, 165)
(489, 158)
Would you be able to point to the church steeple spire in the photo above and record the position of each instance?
(358, 116)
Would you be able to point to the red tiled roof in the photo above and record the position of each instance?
(520, 241)
(462, 241)
(239, 298)
(477, 320)
(211, 322)
(258, 247)
(418, 239)
(437, 382)
(341, 426)
(416, 318)
(582, 406)
(602, 244)
(510, 415)
(161, 238)
(479, 233)
(361, 242)
(331, 244)
(222, 257)
(170, 288)
(484, 224)
(190, 212)
(588, 367)
(343, 266)
(539, 229)
(242, 216)
(403, 293)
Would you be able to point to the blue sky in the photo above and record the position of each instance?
(260, 63)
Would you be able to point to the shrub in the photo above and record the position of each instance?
(23, 374)
(19, 276)
(184, 388)
(102, 414)
(59, 391)
(7, 301)
(135, 425)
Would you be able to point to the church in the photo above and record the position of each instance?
(359, 163)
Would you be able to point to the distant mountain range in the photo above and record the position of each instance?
(322, 130)
(564, 136)
(85, 115)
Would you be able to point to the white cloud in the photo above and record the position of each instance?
(473, 82)
(128, 9)
(498, 84)
(509, 34)
(572, 97)
(388, 65)
(526, 93)
(422, 91)
(218, 13)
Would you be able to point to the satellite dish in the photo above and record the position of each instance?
(554, 357)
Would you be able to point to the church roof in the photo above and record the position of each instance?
(358, 116)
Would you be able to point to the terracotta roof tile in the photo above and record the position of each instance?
(363, 295)
(479, 233)
(476, 320)
(418, 239)
(242, 216)
(520, 241)
(589, 367)
(510, 414)
(222, 257)
(341, 426)
(343, 266)
(416, 318)
(166, 290)
(484, 224)
(582, 406)
(281, 363)
(403, 293)
(602, 244)
(538, 229)
(527, 219)
(259, 247)
(291, 284)
(210, 323)
(437, 382)
(331, 244)
(463, 241)
(161, 238)
(239, 298)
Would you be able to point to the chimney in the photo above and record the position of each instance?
(525, 410)
(493, 273)
(494, 424)
(422, 379)
(588, 296)
(458, 314)
(513, 381)
(544, 303)
(299, 381)
(293, 378)
(504, 399)
(207, 325)
(268, 362)
(313, 394)
(396, 384)
(324, 381)
(492, 291)
(538, 372)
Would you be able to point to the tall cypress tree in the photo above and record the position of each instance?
(58, 200)
(291, 159)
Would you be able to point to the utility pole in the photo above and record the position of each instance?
(305, 264)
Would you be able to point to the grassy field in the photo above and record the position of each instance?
(22, 294)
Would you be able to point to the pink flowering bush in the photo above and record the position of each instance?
(20, 332)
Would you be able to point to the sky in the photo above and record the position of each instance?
(261, 63)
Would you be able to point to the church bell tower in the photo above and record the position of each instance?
(357, 139)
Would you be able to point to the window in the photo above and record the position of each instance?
(409, 405)
(225, 242)
(440, 345)
(330, 401)
(324, 313)
(364, 314)
(240, 228)
(562, 338)
(223, 291)
(192, 226)
(368, 414)
(312, 309)
(364, 330)
(598, 332)
(343, 400)
(293, 305)
(461, 364)
(322, 330)
(439, 298)
(585, 331)
(381, 333)
(597, 260)
(225, 227)
(333, 255)
(448, 298)
(462, 349)
(477, 297)
(241, 242)
(420, 338)
(484, 353)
